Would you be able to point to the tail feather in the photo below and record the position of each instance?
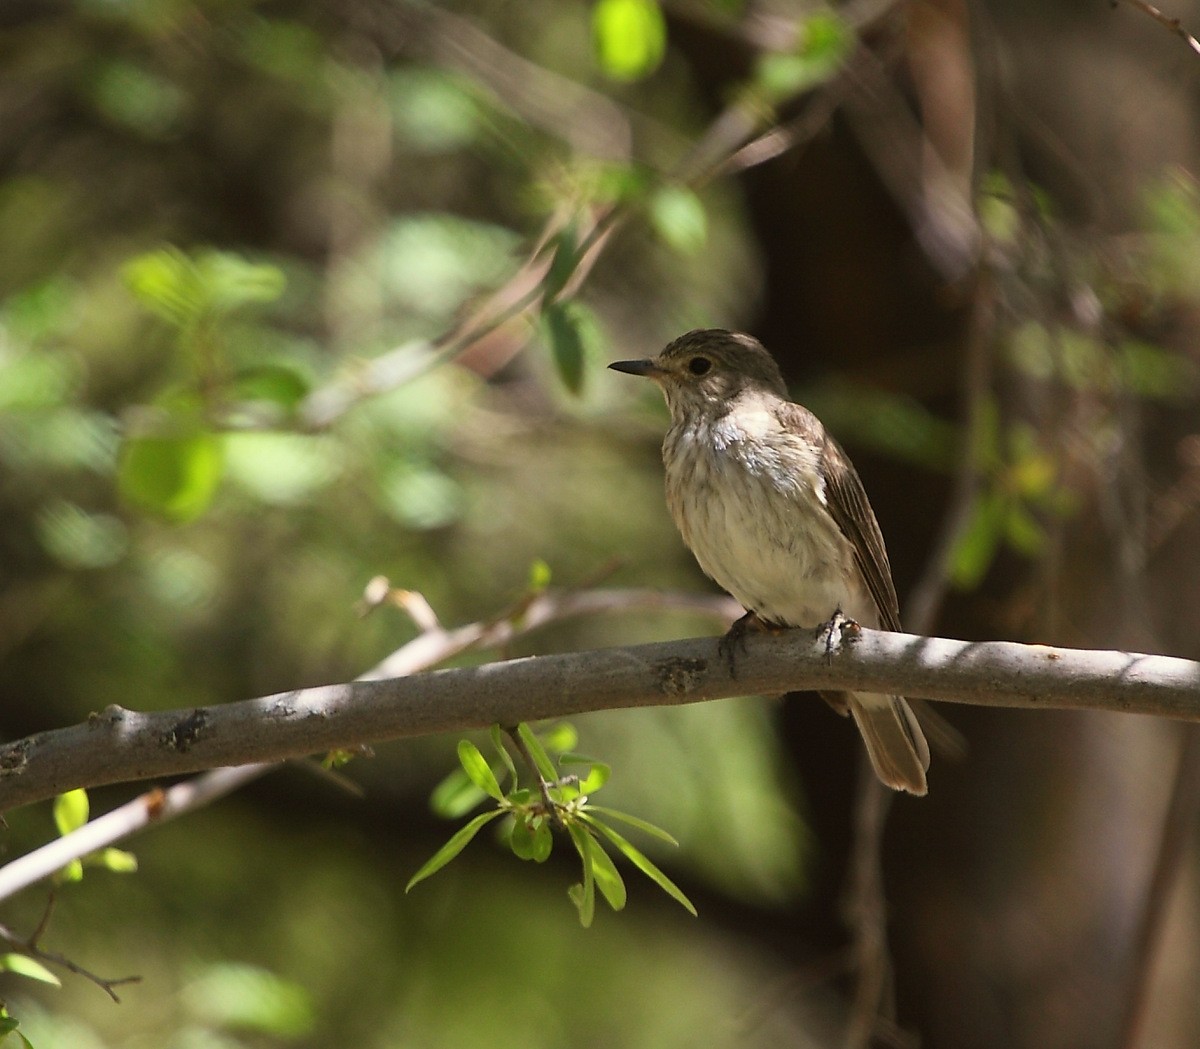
(894, 740)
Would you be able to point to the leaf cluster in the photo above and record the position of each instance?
(557, 802)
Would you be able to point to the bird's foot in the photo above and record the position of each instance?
(735, 637)
(839, 627)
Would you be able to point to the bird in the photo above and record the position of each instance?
(774, 512)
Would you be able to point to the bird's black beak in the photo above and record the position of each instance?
(645, 367)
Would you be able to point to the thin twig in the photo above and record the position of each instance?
(1172, 24)
(1178, 832)
(543, 787)
(30, 947)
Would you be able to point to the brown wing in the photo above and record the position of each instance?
(848, 505)
(847, 502)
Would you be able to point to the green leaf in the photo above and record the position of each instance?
(543, 841)
(23, 965)
(231, 281)
(562, 327)
(976, 548)
(237, 997)
(274, 383)
(165, 282)
(596, 778)
(175, 477)
(642, 863)
(70, 873)
(824, 45)
(524, 836)
(629, 37)
(1023, 532)
(560, 737)
(459, 841)
(71, 810)
(502, 750)
(564, 263)
(679, 218)
(181, 288)
(584, 896)
(634, 821)
(540, 758)
(539, 576)
(608, 878)
(116, 860)
(476, 767)
(597, 775)
(456, 795)
(79, 539)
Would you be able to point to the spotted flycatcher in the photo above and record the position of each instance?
(775, 513)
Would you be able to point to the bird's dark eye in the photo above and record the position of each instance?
(699, 365)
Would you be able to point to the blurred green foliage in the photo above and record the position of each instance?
(238, 241)
(223, 410)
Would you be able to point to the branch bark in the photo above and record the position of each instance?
(119, 745)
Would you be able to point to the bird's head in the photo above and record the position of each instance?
(708, 370)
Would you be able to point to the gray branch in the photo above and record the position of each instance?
(119, 745)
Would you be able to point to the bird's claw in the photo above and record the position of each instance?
(838, 628)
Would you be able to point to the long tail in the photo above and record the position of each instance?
(894, 740)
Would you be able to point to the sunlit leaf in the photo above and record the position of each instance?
(540, 758)
(679, 218)
(166, 283)
(282, 468)
(459, 841)
(175, 477)
(71, 810)
(629, 37)
(231, 281)
(976, 548)
(584, 895)
(597, 775)
(825, 42)
(642, 863)
(116, 860)
(634, 821)
(182, 288)
(241, 997)
(560, 737)
(608, 878)
(456, 795)
(498, 742)
(539, 576)
(23, 965)
(477, 768)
